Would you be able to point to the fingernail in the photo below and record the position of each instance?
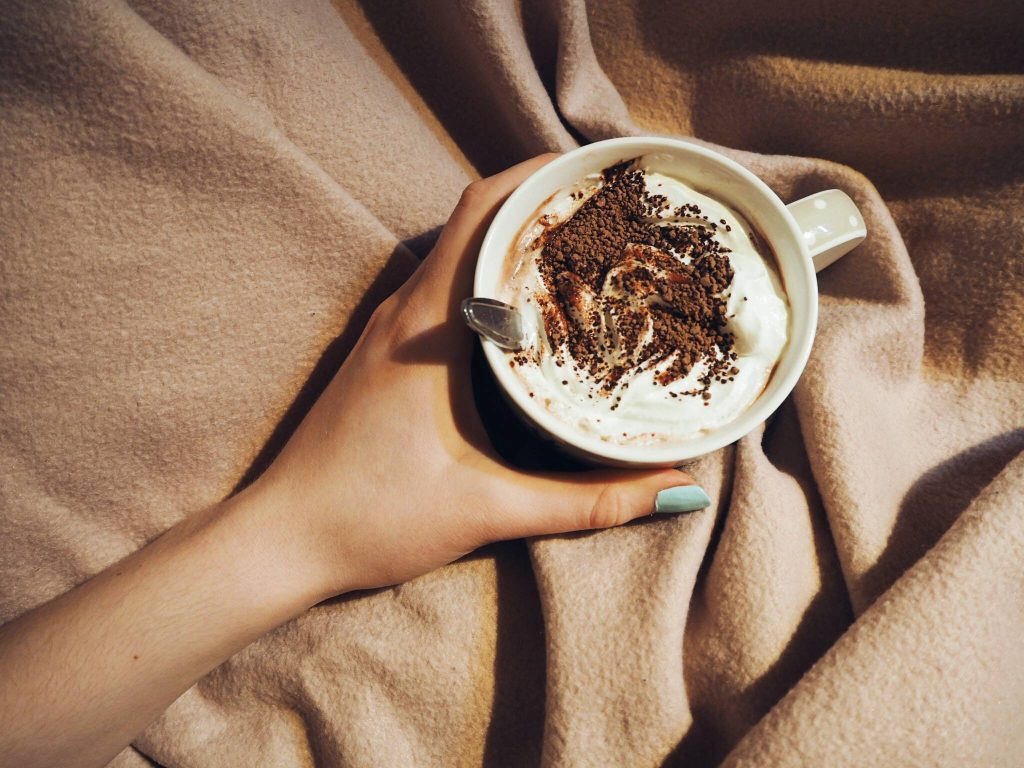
(682, 498)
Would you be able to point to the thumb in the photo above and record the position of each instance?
(553, 503)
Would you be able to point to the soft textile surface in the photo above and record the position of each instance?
(200, 204)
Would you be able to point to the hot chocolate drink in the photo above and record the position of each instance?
(653, 311)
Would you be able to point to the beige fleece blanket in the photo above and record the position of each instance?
(201, 202)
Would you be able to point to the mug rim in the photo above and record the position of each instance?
(592, 447)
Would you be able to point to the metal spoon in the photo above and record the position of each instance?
(495, 320)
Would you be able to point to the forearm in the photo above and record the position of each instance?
(83, 674)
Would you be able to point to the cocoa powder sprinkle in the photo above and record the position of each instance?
(628, 292)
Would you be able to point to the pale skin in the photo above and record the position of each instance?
(368, 492)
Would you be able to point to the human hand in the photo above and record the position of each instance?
(389, 476)
(391, 473)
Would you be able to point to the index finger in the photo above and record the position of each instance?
(447, 272)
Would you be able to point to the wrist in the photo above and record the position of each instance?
(287, 544)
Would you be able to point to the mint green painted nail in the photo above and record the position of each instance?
(682, 498)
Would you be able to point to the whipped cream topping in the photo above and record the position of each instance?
(647, 402)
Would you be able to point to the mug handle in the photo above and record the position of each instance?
(831, 225)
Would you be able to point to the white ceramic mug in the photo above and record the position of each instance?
(805, 236)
